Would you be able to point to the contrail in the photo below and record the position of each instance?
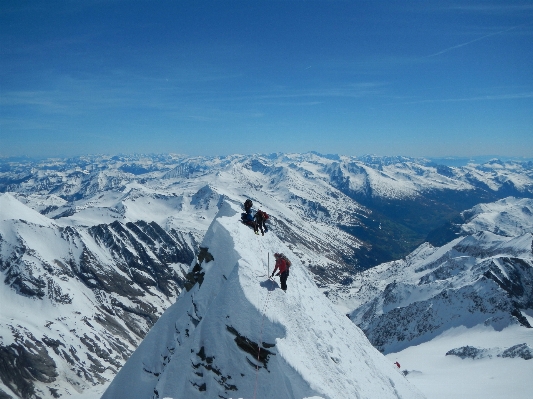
(471, 41)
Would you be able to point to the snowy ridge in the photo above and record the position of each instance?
(12, 209)
(206, 343)
(509, 217)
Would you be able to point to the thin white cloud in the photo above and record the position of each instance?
(494, 97)
(471, 41)
(494, 8)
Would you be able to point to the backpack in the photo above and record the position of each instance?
(287, 261)
(263, 214)
(245, 218)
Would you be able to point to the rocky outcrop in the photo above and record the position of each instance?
(523, 351)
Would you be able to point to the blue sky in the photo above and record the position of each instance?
(415, 78)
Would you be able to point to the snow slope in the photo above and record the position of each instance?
(75, 302)
(441, 376)
(205, 345)
(457, 317)
(508, 217)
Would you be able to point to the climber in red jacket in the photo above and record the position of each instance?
(282, 264)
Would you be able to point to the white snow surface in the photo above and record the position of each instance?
(442, 377)
(13, 209)
(509, 217)
(316, 353)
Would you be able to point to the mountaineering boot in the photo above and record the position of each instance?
(256, 232)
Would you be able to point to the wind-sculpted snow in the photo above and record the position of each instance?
(234, 333)
(77, 301)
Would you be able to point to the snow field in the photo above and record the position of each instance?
(442, 377)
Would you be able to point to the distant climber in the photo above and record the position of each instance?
(397, 364)
(259, 222)
(248, 205)
(282, 264)
(247, 217)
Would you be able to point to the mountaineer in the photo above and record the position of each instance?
(282, 264)
(259, 222)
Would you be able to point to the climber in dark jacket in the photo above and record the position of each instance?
(248, 205)
(247, 217)
(259, 222)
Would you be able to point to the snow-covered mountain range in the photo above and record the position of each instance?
(94, 249)
(77, 301)
(478, 289)
(379, 208)
(235, 333)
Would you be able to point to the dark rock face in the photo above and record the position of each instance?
(4, 395)
(196, 275)
(259, 353)
(145, 269)
(514, 276)
(523, 351)
(467, 352)
(24, 362)
(208, 364)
